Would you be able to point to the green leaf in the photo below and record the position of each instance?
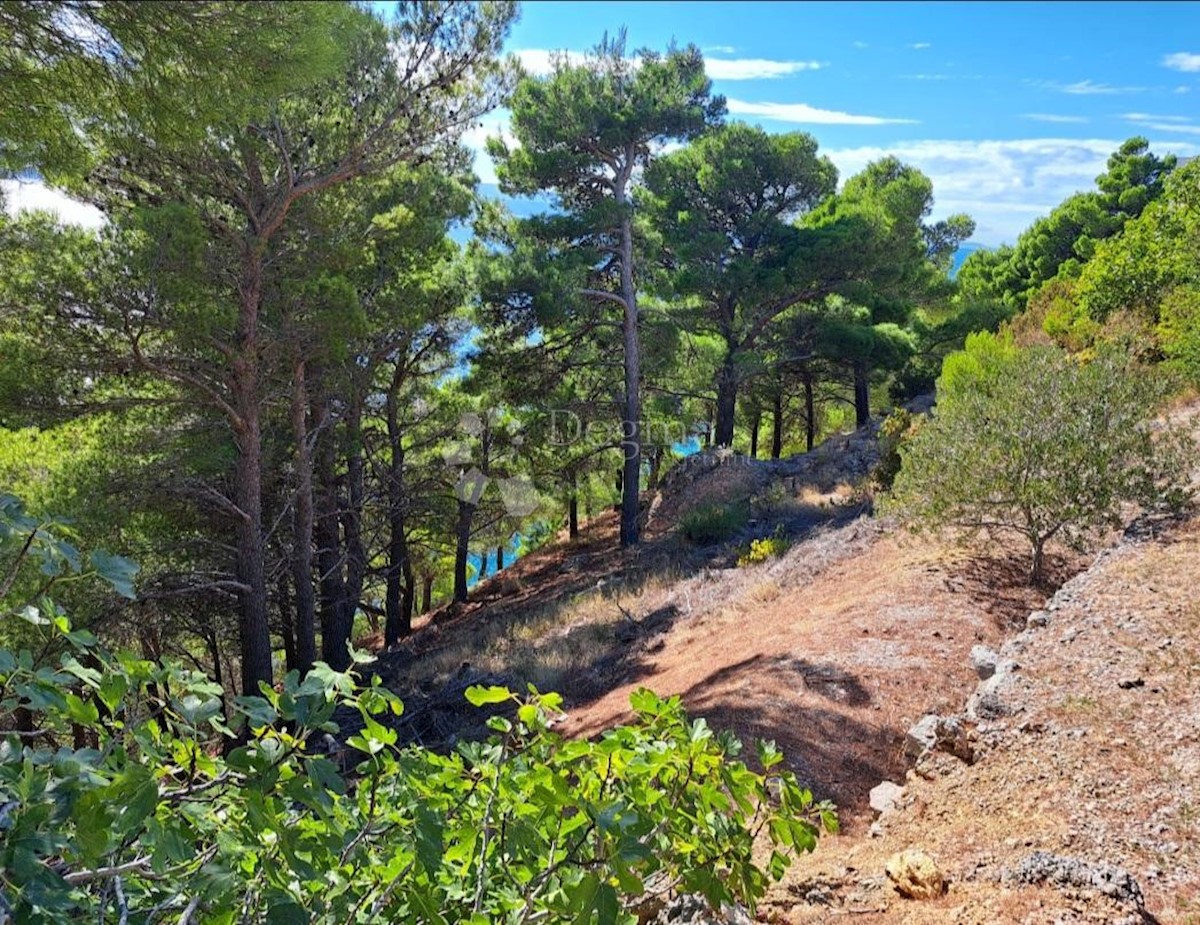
(113, 687)
(528, 714)
(281, 911)
(81, 711)
(478, 695)
(116, 570)
(645, 702)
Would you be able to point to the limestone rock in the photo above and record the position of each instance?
(1067, 872)
(915, 875)
(939, 733)
(884, 796)
(922, 736)
(983, 660)
(989, 700)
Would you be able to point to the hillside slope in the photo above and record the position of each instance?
(1083, 803)
(1083, 797)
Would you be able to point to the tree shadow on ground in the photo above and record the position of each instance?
(998, 584)
(836, 754)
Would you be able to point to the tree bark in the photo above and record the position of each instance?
(398, 592)
(862, 395)
(499, 557)
(484, 560)
(777, 425)
(755, 424)
(284, 600)
(1036, 567)
(356, 554)
(253, 626)
(656, 455)
(631, 426)
(727, 387)
(426, 593)
(462, 548)
(810, 413)
(573, 508)
(335, 628)
(302, 528)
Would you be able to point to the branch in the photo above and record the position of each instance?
(137, 866)
(603, 295)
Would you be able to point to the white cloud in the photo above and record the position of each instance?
(1147, 117)
(1183, 89)
(540, 63)
(917, 46)
(1052, 117)
(1083, 87)
(1003, 185)
(803, 114)
(719, 49)
(1181, 125)
(1170, 127)
(1091, 88)
(493, 125)
(1185, 61)
(755, 68)
(34, 195)
(941, 77)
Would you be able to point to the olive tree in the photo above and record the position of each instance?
(1034, 442)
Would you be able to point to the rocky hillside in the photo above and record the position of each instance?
(1071, 795)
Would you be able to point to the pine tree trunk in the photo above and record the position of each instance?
(631, 424)
(302, 528)
(777, 425)
(335, 629)
(253, 626)
(1037, 566)
(462, 548)
(426, 594)
(726, 399)
(356, 554)
(284, 601)
(755, 424)
(499, 557)
(862, 395)
(484, 559)
(398, 590)
(810, 413)
(656, 456)
(573, 508)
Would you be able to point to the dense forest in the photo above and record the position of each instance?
(307, 383)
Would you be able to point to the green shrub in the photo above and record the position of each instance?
(120, 804)
(1036, 443)
(714, 523)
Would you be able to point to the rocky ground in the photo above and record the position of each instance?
(1079, 803)
(999, 753)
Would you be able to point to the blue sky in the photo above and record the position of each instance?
(1008, 107)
